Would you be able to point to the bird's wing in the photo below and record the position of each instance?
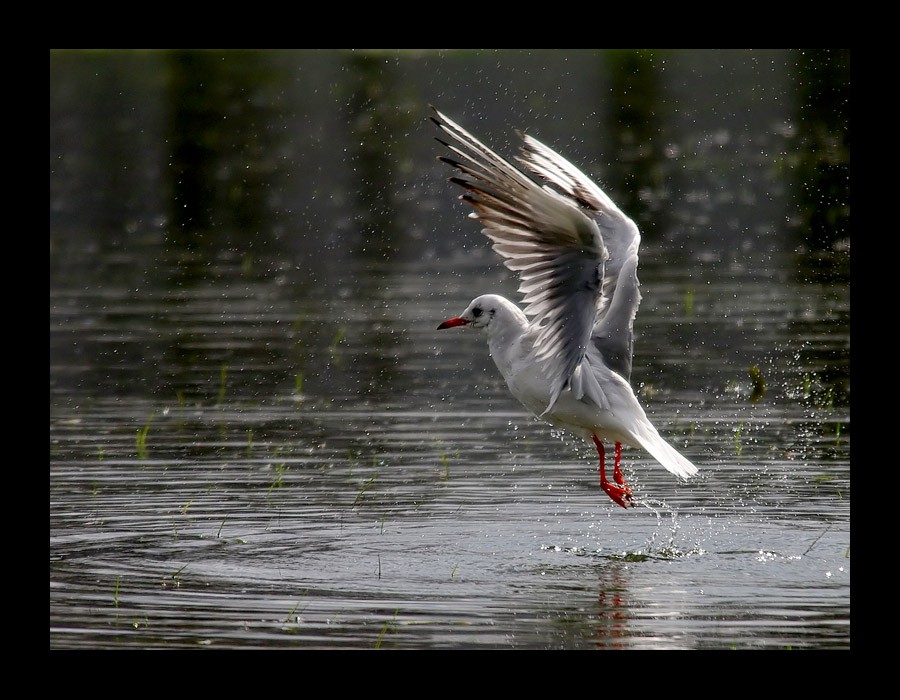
(619, 294)
(550, 240)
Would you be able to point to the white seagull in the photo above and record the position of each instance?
(567, 356)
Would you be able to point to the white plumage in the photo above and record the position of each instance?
(567, 356)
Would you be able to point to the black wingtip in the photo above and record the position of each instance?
(437, 117)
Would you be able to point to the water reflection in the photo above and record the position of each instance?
(257, 439)
(820, 160)
(379, 114)
(224, 115)
(612, 609)
(224, 138)
(636, 100)
(821, 154)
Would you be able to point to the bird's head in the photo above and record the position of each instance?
(478, 314)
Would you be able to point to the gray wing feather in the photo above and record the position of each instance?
(620, 297)
(556, 240)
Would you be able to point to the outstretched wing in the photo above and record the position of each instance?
(619, 294)
(551, 241)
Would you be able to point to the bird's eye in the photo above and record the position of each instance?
(476, 312)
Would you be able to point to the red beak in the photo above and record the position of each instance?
(452, 323)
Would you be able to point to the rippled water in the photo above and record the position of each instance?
(258, 439)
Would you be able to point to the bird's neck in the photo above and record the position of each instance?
(505, 335)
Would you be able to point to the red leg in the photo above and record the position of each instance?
(618, 492)
(617, 471)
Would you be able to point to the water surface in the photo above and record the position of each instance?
(259, 440)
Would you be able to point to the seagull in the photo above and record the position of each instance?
(567, 355)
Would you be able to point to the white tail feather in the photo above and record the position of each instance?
(664, 453)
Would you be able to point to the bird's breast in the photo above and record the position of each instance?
(527, 382)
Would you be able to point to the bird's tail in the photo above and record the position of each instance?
(663, 452)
